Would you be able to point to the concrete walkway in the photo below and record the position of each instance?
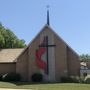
(13, 89)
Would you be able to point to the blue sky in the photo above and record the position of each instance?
(69, 18)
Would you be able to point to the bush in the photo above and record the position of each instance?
(11, 77)
(37, 77)
(1, 77)
(70, 79)
(81, 79)
(87, 79)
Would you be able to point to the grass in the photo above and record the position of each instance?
(48, 86)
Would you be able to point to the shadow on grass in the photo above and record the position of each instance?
(39, 83)
(32, 83)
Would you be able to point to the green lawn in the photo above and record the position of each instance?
(53, 86)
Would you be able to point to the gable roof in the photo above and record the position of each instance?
(9, 55)
(47, 26)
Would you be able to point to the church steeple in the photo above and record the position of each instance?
(48, 22)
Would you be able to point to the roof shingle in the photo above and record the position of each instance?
(9, 55)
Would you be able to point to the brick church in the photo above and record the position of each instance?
(47, 54)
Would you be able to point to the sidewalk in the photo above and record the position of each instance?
(13, 89)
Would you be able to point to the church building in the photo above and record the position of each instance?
(47, 54)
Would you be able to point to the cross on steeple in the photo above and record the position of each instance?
(46, 45)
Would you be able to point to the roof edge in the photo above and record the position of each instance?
(62, 40)
(46, 25)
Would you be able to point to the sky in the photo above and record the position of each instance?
(70, 19)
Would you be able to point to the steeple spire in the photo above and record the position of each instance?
(48, 23)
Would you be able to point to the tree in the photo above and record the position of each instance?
(2, 42)
(9, 40)
(84, 57)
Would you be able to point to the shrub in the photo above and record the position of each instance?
(70, 79)
(87, 79)
(81, 80)
(64, 79)
(11, 77)
(1, 77)
(37, 77)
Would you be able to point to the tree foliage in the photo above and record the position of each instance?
(84, 57)
(9, 40)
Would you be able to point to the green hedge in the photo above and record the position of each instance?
(70, 79)
(10, 77)
(37, 77)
